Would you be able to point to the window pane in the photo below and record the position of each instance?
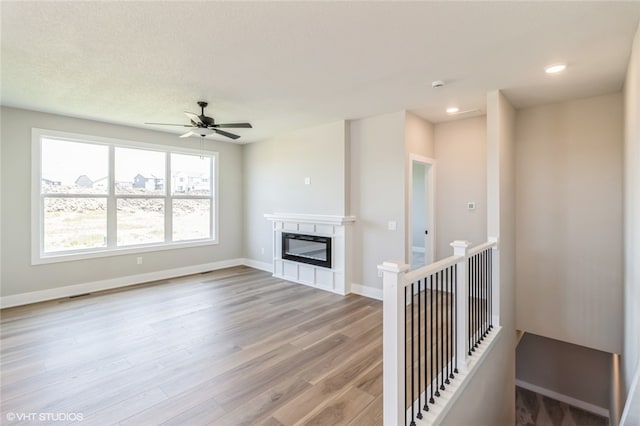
(140, 221)
(74, 167)
(139, 171)
(74, 223)
(191, 219)
(190, 174)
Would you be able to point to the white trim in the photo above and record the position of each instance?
(256, 264)
(73, 290)
(366, 291)
(91, 287)
(631, 410)
(68, 257)
(586, 406)
(310, 218)
(431, 199)
(38, 256)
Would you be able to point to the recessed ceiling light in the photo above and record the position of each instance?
(452, 110)
(555, 68)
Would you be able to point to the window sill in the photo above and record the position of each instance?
(84, 255)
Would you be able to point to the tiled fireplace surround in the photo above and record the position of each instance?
(338, 228)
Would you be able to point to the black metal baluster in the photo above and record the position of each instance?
(438, 334)
(477, 326)
(405, 355)
(491, 289)
(469, 312)
(472, 301)
(486, 292)
(482, 285)
(455, 316)
(419, 415)
(451, 321)
(412, 356)
(426, 335)
(431, 352)
(446, 370)
(442, 330)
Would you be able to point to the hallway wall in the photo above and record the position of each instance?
(569, 221)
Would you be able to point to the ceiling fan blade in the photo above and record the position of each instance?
(233, 126)
(227, 134)
(193, 117)
(167, 124)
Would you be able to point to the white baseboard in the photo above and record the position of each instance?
(263, 266)
(586, 406)
(95, 286)
(90, 287)
(366, 291)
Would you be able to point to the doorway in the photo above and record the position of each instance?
(421, 217)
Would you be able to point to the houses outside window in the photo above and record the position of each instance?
(96, 197)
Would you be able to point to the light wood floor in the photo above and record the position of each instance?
(229, 347)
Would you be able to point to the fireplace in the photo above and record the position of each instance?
(310, 249)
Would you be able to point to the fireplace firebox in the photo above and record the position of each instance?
(311, 249)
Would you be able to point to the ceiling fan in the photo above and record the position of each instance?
(203, 125)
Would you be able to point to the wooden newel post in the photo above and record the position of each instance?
(393, 342)
(462, 304)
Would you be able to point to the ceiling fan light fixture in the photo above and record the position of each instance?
(555, 68)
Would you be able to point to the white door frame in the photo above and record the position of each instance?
(430, 188)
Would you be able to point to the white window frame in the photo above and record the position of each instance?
(38, 256)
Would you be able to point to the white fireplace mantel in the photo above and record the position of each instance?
(336, 278)
(310, 218)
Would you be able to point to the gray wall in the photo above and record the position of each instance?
(571, 370)
(19, 276)
(489, 399)
(377, 193)
(569, 211)
(275, 172)
(631, 354)
(461, 153)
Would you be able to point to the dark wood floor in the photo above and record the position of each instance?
(229, 347)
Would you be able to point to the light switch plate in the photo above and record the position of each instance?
(392, 225)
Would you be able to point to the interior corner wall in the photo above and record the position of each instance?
(19, 276)
(418, 136)
(489, 399)
(274, 181)
(377, 183)
(569, 215)
(631, 353)
(461, 177)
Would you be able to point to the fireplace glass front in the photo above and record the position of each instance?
(310, 249)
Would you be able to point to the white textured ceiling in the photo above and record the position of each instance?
(287, 65)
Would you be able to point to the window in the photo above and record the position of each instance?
(97, 197)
